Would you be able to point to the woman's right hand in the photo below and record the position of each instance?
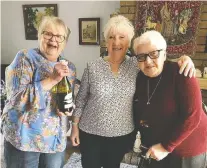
(75, 135)
(60, 70)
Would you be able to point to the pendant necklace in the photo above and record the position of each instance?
(149, 98)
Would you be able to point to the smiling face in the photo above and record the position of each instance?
(151, 67)
(50, 48)
(117, 45)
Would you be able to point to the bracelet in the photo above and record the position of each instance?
(74, 123)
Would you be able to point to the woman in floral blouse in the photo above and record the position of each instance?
(35, 134)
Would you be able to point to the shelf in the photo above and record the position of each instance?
(203, 83)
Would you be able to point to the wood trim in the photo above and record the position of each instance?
(203, 83)
(200, 48)
(201, 40)
(201, 56)
(202, 32)
(203, 16)
(204, 8)
(203, 24)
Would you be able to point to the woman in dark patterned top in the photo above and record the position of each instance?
(35, 134)
(103, 115)
(168, 108)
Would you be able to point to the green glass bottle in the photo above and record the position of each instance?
(63, 95)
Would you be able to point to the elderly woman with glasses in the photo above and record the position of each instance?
(103, 119)
(33, 128)
(170, 106)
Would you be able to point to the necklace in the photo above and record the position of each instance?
(114, 62)
(149, 98)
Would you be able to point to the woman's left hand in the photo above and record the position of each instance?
(67, 113)
(157, 152)
(186, 64)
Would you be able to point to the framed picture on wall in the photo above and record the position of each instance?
(89, 31)
(33, 15)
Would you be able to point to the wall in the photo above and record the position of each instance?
(13, 37)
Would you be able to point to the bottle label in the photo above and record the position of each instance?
(68, 101)
(65, 102)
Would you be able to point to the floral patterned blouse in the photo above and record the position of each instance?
(29, 120)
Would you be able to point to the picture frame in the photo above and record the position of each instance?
(89, 31)
(33, 15)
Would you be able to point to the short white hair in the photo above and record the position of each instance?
(52, 21)
(121, 24)
(153, 37)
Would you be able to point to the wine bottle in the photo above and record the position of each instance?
(63, 95)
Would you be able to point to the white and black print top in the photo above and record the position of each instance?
(104, 102)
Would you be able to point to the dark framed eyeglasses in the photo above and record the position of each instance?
(153, 55)
(48, 35)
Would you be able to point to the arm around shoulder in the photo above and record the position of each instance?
(186, 65)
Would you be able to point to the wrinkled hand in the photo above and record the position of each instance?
(75, 135)
(157, 152)
(67, 113)
(186, 63)
(60, 70)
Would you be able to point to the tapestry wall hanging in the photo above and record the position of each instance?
(176, 20)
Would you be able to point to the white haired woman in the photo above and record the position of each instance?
(168, 108)
(35, 134)
(103, 116)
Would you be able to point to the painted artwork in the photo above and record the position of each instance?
(89, 31)
(177, 21)
(33, 15)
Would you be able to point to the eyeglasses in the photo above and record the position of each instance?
(49, 35)
(153, 55)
